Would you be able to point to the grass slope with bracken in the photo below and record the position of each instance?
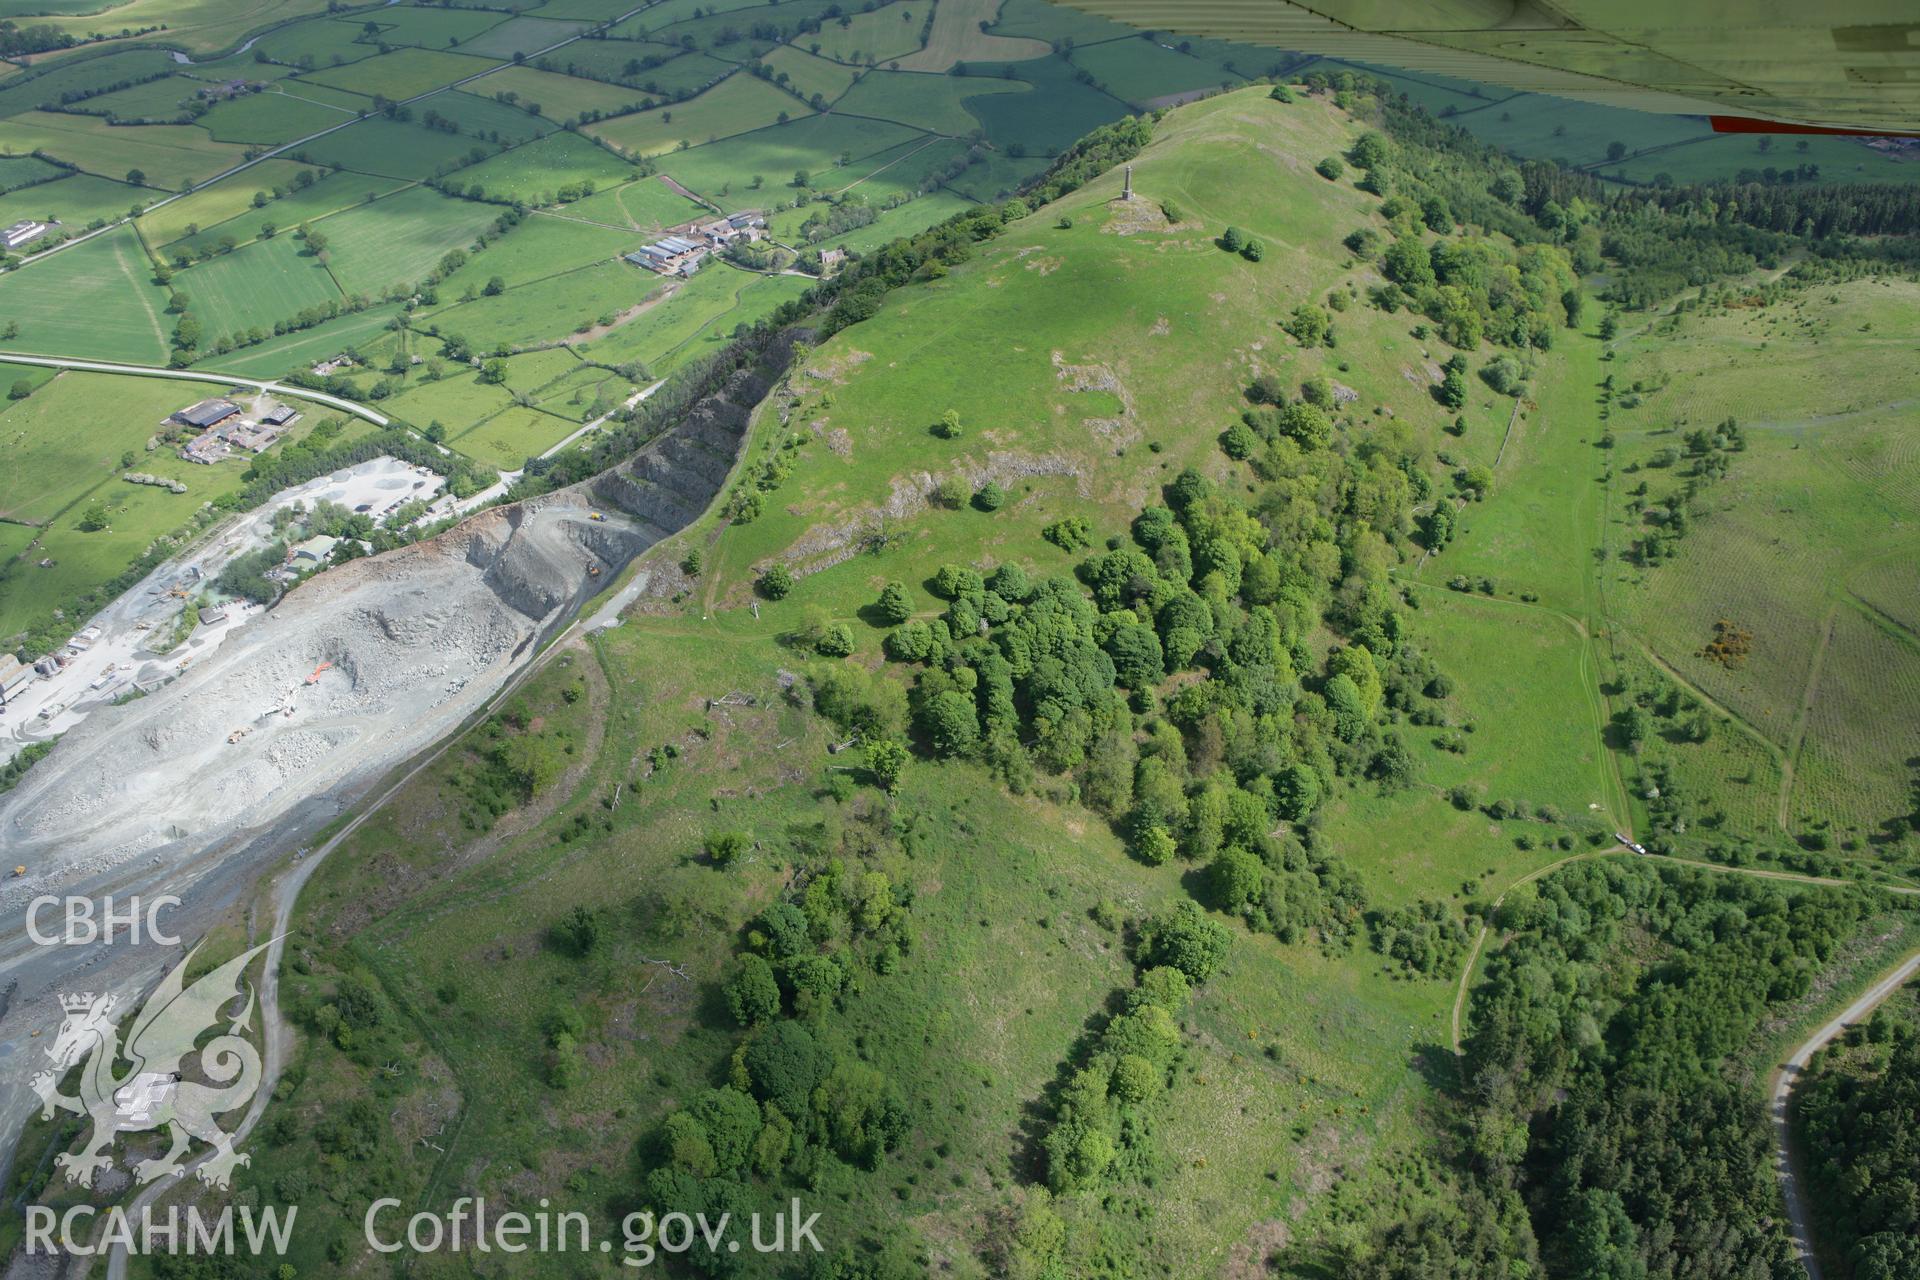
(1090, 363)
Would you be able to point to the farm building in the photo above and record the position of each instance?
(670, 255)
(279, 415)
(207, 413)
(254, 439)
(24, 233)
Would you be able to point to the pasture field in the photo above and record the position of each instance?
(874, 36)
(331, 194)
(815, 144)
(483, 118)
(960, 33)
(218, 202)
(75, 202)
(574, 394)
(1058, 113)
(1045, 22)
(1855, 774)
(699, 319)
(26, 171)
(726, 33)
(539, 247)
(586, 10)
(995, 175)
(1141, 70)
(400, 237)
(921, 212)
(456, 401)
(65, 440)
(316, 44)
(253, 287)
(547, 311)
(163, 101)
(171, 156)
(404, 73)
(521, 35)
(95, 299)
(1724, 157)
(624, 60)
(899, 170)
(936, 103)
(428, 27)
(739, 104)
(195, 25)
(277, 357)
(511, 436)
(808, 75)
(274, 116)
(68, 440)
(645, 204)
(50, 83)
(392, 149)
(532, 173)
(559, 97)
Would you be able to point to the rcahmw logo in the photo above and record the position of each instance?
(152, 1093)
(172, 1230)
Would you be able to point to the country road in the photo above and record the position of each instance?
(359, 410)
(1780, 1095)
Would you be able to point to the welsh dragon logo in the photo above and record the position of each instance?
(152, 1093)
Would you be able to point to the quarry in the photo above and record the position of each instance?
(223, 770)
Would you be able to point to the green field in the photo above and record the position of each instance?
(26, 171)
(330, 195)
(808, 75)
(532, 173)
(255, 286)
(646, 204)
(50, 83)
(540, 246)
(219, 202)
(405, 73)
(523, 36)
(62, 448)
(171, 156)
(870, 36)
(429, 28)
(936, 103)
(814, 144)
(391, 149)
(559, 97)
(738, 104)
(483, 118)
(399, 238)
(280, 114)
(548, 311)
(98, 298)
(74, 201)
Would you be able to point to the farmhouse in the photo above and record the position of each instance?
(24, 233)
(831, 260)
(207, 413)
(254, 439)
